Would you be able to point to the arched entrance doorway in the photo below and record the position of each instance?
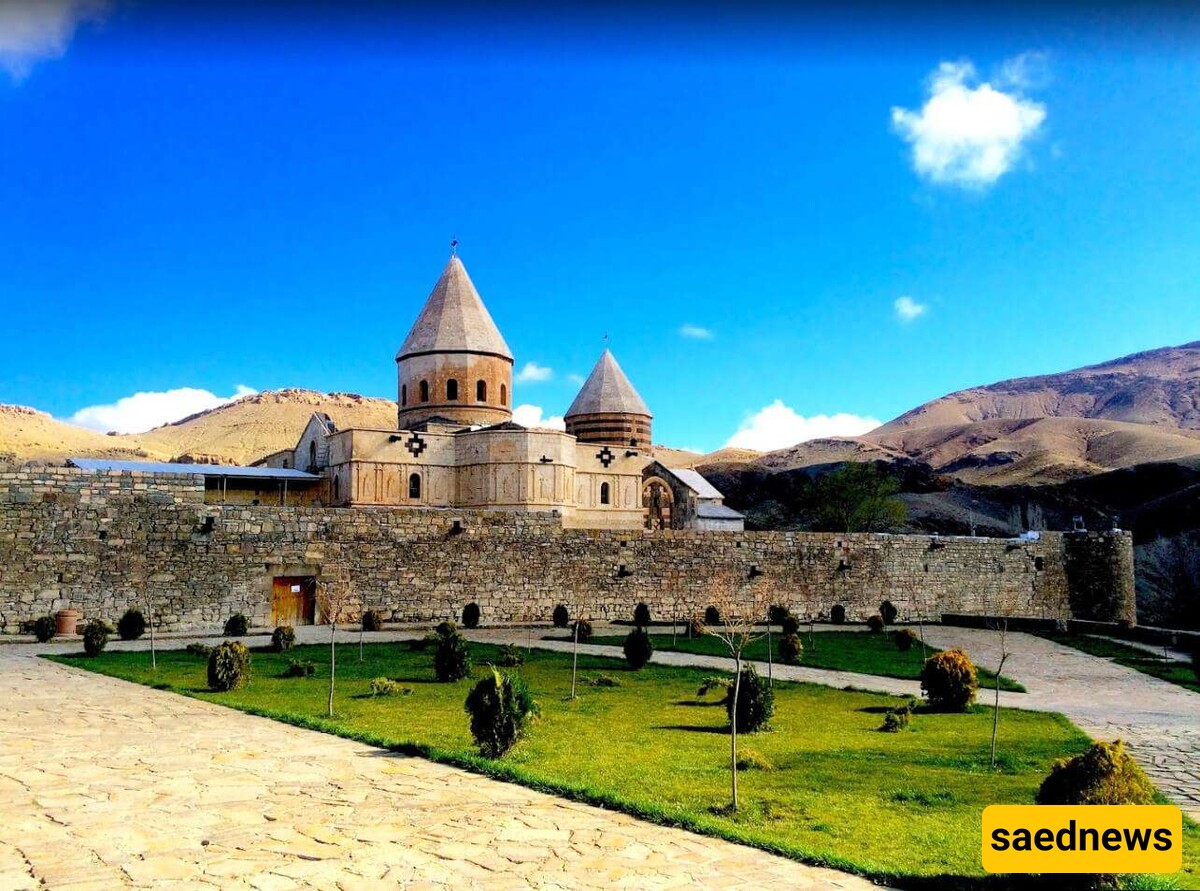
(657, 503)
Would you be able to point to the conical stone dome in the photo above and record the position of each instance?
(608, 409)
(454, 319)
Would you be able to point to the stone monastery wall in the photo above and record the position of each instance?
(103, 542)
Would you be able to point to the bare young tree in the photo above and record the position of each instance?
(338, 602)
(150, 619)
(1001, 626)
(579, 606)
(741, 605)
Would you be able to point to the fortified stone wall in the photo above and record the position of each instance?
(104, 542)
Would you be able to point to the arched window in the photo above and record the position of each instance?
(481, 391)
(604, 493)
(414, 487)
(424, 391)
(503, 394)
(337, 484)
(404, 394)
(452, 390)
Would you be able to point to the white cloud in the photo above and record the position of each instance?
(695, 332)
(531, 416)
(971, 135)
(532, 372)
(576, 379)
(34, 30)
(145, 411)
(908, 309)
(778, 426)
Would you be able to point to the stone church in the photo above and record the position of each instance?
(455, 444)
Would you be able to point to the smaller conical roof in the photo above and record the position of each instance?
(454, 319)
(608, 391)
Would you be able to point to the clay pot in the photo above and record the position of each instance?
(66, 621)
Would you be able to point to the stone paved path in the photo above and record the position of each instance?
(107, 785)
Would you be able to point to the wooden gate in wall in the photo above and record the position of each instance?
(293, 600)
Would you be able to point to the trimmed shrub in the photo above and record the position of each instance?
(95, 637)
(582, 628)
(388, 687)
(712, 616)
(904, 638)
(372, 620)
(638, 648)
(283, 638)
(452, 660)
(237, 626)
(897, 719)
(756, 702)
(837, 614)
(131, 625)
(875, 623)
(790, 625)
(948, 681)
(749, 759)
(228, 666)
(300, 669)
(1104, 774)
(500, 707)
(641, 615)
(44, 628)
(444, 628)
(790, 649)
(696, 627)
(510, 657)
(199, 649)
(471, 615)
(777, 613)
(602, 680)
(888, 612)
(562, 618)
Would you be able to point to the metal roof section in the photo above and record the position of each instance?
(607, 391)
(709, 511)
(217, 470)
(454, 319)
(697, 483)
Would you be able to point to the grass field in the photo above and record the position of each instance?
(893, 806)
(856, 651)
(1180, 673)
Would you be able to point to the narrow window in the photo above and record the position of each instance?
(503, 394)
(452, 390)
(481, 391)
(312, 454)
(633, 442)
(337, 484)
(424, 391)
(404, 395)
(414, 487)
(285, 463)
(604, 493)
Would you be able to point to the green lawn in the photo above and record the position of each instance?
(857, 651)
(893, 806)
(1180, 673)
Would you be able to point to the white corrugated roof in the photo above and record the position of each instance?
(697, 483)
(454, 319)
(230, 470)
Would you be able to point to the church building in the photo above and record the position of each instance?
(455, 444)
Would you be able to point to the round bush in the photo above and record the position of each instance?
(641, 614)
(562, 618)
(888, 612)
(237, 626)
(283, 638)
(44, 628)
(131, 625)
(500, 706)
(372, 620)
(300, 669)
(896, 719)
(452, 659)
(228, 666)
(638, 648)
(471, 615)
(712, 616)
(696, 627)
(1104, 774)
(905, 638)
(510, 657)
(790, 648)
(837, 614)
(582, 631)
(756, 702)
(95, 637)
(875, 624)
(777, 614)
(444, 628)
(948, 681)
(790, 624)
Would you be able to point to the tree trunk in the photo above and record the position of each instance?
(574, 657)
(996, 708)
(737, 683)
(361, 633)
(332, 662)
(770, 657)
(153, 654)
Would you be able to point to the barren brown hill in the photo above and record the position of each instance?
(826, 451)
(32, 435)
(1158, 387)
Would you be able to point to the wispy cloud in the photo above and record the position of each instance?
(32, 31)
(970, 135)
(908, 309)
(695, 332)
(531, 416)
(145, 411)
(778, 426)
(534, 373)
(576, 379)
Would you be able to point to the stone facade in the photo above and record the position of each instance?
(103, 542)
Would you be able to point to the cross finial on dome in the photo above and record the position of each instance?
(453, 245)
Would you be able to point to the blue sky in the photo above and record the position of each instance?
(811, 216)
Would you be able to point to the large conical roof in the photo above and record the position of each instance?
(608, 391)
(454, 319)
